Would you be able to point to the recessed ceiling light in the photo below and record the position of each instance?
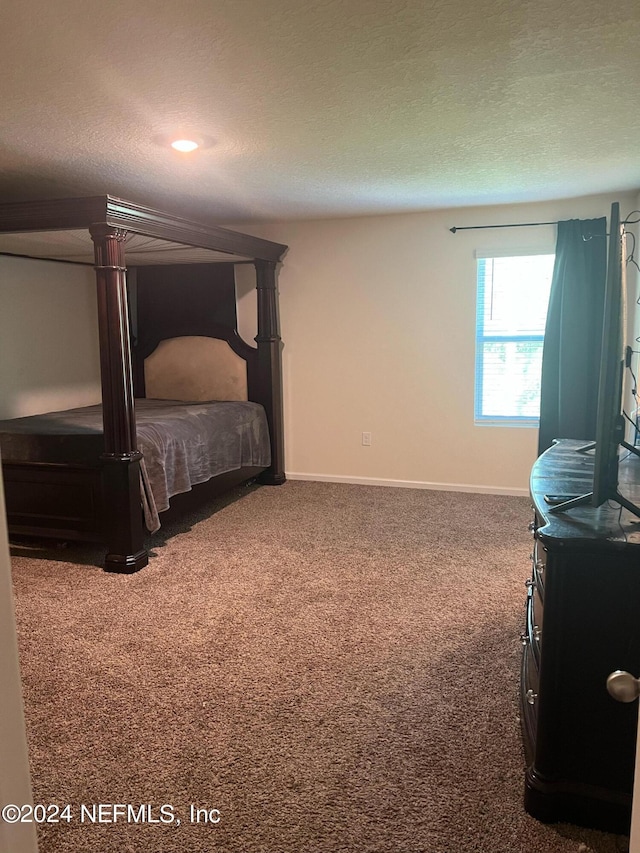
(185, 145)
(182, 140)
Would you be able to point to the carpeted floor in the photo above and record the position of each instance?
(333, 668)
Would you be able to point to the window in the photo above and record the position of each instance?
(513, 295)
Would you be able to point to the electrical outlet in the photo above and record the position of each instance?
(366, 439)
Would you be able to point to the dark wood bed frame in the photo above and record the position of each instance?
(102, 502)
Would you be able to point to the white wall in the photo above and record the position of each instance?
(378, 321)
(48, 337)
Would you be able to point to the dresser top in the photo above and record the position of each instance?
(564, 470)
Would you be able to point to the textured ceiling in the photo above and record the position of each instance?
(319, 107)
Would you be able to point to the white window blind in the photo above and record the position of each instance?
(512, 301)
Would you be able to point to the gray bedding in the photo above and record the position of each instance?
(182, 443)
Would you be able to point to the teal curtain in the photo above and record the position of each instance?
(573, 333)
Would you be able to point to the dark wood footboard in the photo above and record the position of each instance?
(54, 501)
(67, 503)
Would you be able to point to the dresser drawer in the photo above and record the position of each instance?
(534, 621)
(537, 615)
(528, 700)
(539, 564)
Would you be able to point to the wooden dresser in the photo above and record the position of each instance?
(582, 623)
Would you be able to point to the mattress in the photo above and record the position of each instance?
(182, 444)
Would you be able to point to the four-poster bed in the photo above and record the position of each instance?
(210, 405)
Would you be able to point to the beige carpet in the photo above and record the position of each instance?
(334, 668)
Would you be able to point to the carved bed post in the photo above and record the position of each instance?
(270, 367)
(121, 457)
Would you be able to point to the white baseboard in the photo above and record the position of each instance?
(410, 484)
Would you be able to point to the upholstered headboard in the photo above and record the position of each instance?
(195, 368)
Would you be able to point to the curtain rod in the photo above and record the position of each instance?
(512, 225)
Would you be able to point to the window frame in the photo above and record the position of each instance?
(517, 421)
